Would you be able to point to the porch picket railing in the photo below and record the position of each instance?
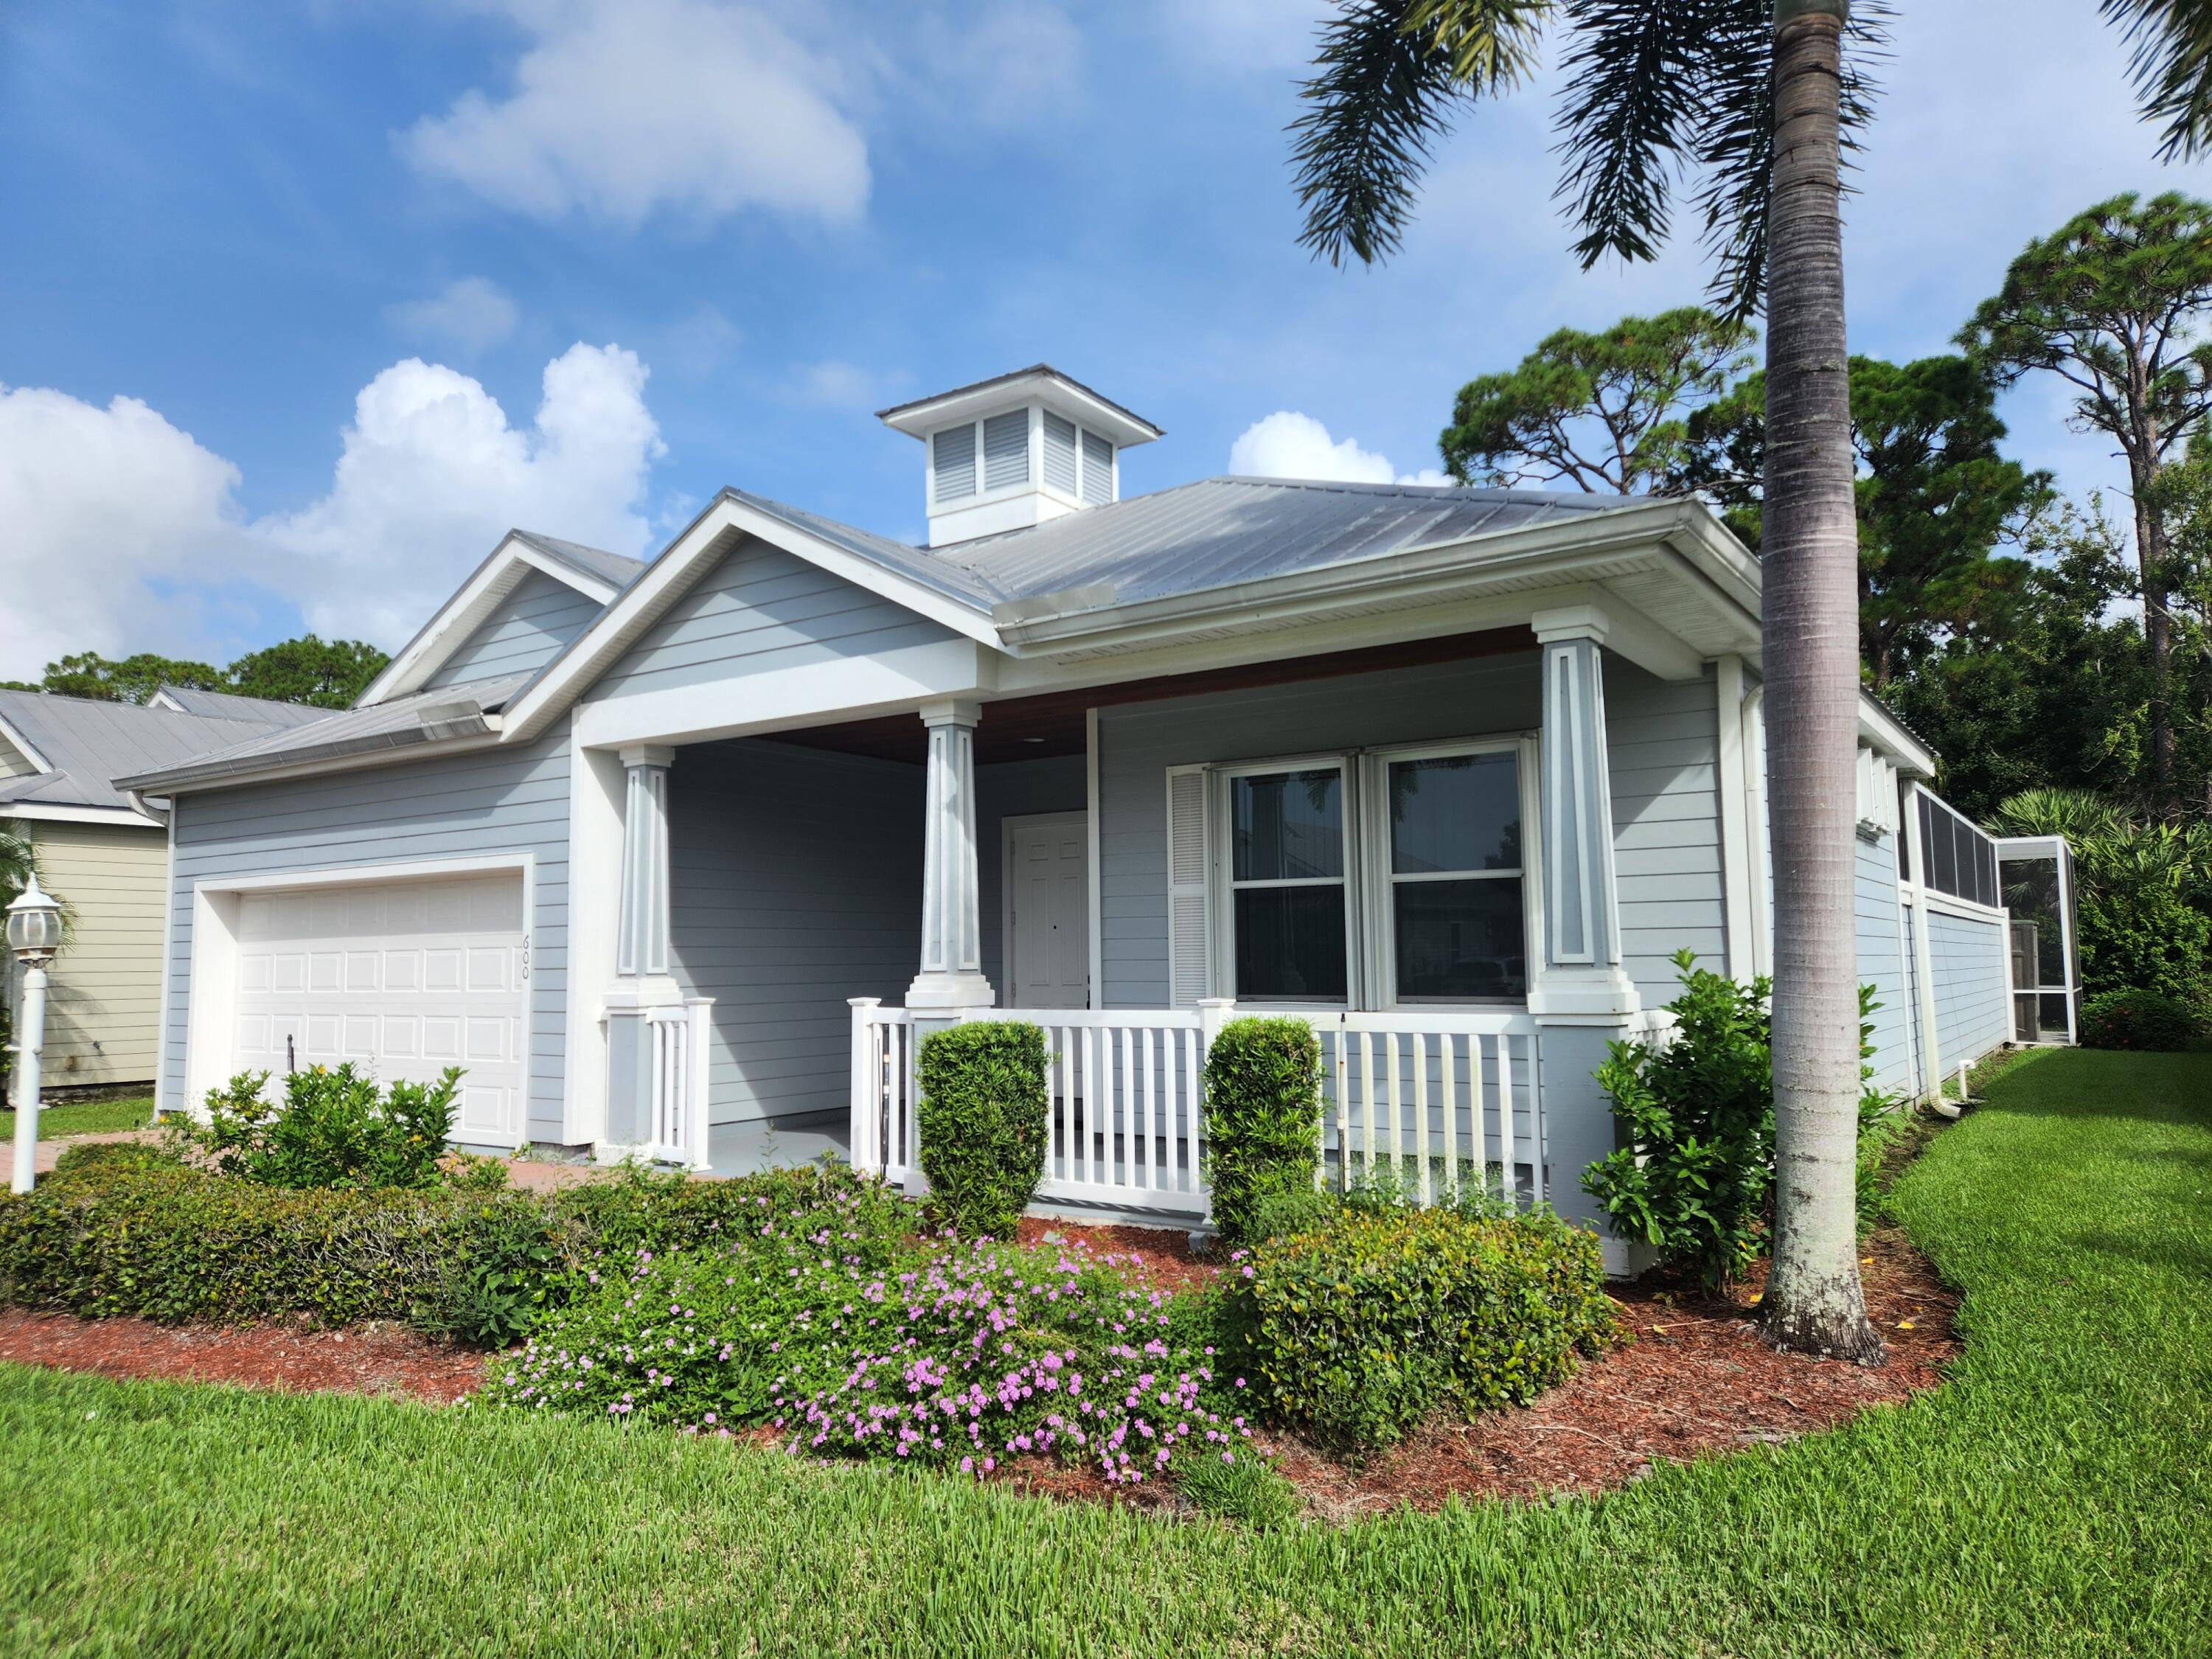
(1428, 1102)
(678, 1034)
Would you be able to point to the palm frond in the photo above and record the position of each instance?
(2171, 65)
(1389, 75)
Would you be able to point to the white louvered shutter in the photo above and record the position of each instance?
(1006, 449)
(1060, 453)
(1188, 935)
(1097, 468)
(952, 454)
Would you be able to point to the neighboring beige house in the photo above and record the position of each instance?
(106, 856)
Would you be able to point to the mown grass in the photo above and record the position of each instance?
(91, 1117)
(2052, 1499)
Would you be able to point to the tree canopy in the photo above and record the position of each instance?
(322, 673)
(1604, 411)
(1935, 498)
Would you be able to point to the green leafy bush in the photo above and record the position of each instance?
(1262, 1126)
(1696, 1112)
(124, 1228)
(2142, 935)
(1356, 1333)
(2142, 1020)
(981, 1122)
(335, 1128)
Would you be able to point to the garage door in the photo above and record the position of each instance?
(402, 978)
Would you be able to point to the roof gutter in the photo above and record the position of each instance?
(442, 724)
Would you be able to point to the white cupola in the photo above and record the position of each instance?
(1014, 451)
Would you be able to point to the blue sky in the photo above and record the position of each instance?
(373, 281)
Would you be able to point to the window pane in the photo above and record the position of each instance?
(1459, 939)
(1458, 812)
(1942, 854)
(1290, 942)
(1288, 825)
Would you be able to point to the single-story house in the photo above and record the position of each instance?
(106, 856)
(678, 858)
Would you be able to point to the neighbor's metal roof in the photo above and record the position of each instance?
(229, 706)
(616, 568)
(89, 743)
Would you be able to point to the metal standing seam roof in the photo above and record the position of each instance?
(229, 706)
(617, 568)
(1188, 539)
(88, 742)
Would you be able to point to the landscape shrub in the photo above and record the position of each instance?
(2139, 934)
(126, 1229)
(1356, 1333)
(335, 1128)
(981, 1122)
(951, 1353)
(1262, 1120)
(1695, 1109)
(2141, 1020)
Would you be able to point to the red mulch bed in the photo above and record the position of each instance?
(377, 1359)
(1696, 1380)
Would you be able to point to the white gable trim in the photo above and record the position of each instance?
(39, 812)
(23, 746)
(715, 533)
(460, 616)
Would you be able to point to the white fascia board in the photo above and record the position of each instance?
(715, 533)
(23, 746)
(499, 575)
(1880, 728)
(1681, 533)
(39, 812)
(791, 699)
(1063, 397)
(360, 761)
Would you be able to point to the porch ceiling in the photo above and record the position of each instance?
(1029, 728)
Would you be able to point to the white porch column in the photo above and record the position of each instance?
(1580, 972)
(641, 981)
(952, 974)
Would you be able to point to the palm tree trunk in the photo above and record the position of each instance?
(1813, 1301)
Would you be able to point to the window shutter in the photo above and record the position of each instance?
(1188, 933)
(1006, 449)
(1097, 468)
(1060, 453)
(952, 453)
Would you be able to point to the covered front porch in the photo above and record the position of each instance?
(1413, 848)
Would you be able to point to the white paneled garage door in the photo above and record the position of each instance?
(402, 978)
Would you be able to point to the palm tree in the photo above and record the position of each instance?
(1757, 99)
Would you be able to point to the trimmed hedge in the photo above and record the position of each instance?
(981, 1122)
(2145, 1021)
(1263, 1127)
(124, 1228)
(1354, 1334)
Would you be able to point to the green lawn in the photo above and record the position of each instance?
(2053, 1498)
(90, 1118)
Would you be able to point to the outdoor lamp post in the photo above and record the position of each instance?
(34, 933)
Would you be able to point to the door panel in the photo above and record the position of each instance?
(1049, 913)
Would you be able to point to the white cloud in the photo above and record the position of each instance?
(473, 314)
(1289, 445)
(621, 109)
(104, 510)
(432, 473)
(123, 534)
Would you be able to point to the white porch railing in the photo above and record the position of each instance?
(1431, 1102)
(676, 1127)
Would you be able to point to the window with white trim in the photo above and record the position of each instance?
(1354, 880)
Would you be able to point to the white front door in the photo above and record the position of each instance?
(1047, 869)
(402, 978)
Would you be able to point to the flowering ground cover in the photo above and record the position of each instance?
(2051, 1498)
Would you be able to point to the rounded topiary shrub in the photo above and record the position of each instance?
(1355, 1333)
(1262, 1124)
(2142, 1020)
(981, 1123)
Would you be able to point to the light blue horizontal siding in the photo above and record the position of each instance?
(497, 801)
(760, 610)
(795, 883)
(530, 628)
(1663, 754)
(1967, 960)
(1882, 963)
